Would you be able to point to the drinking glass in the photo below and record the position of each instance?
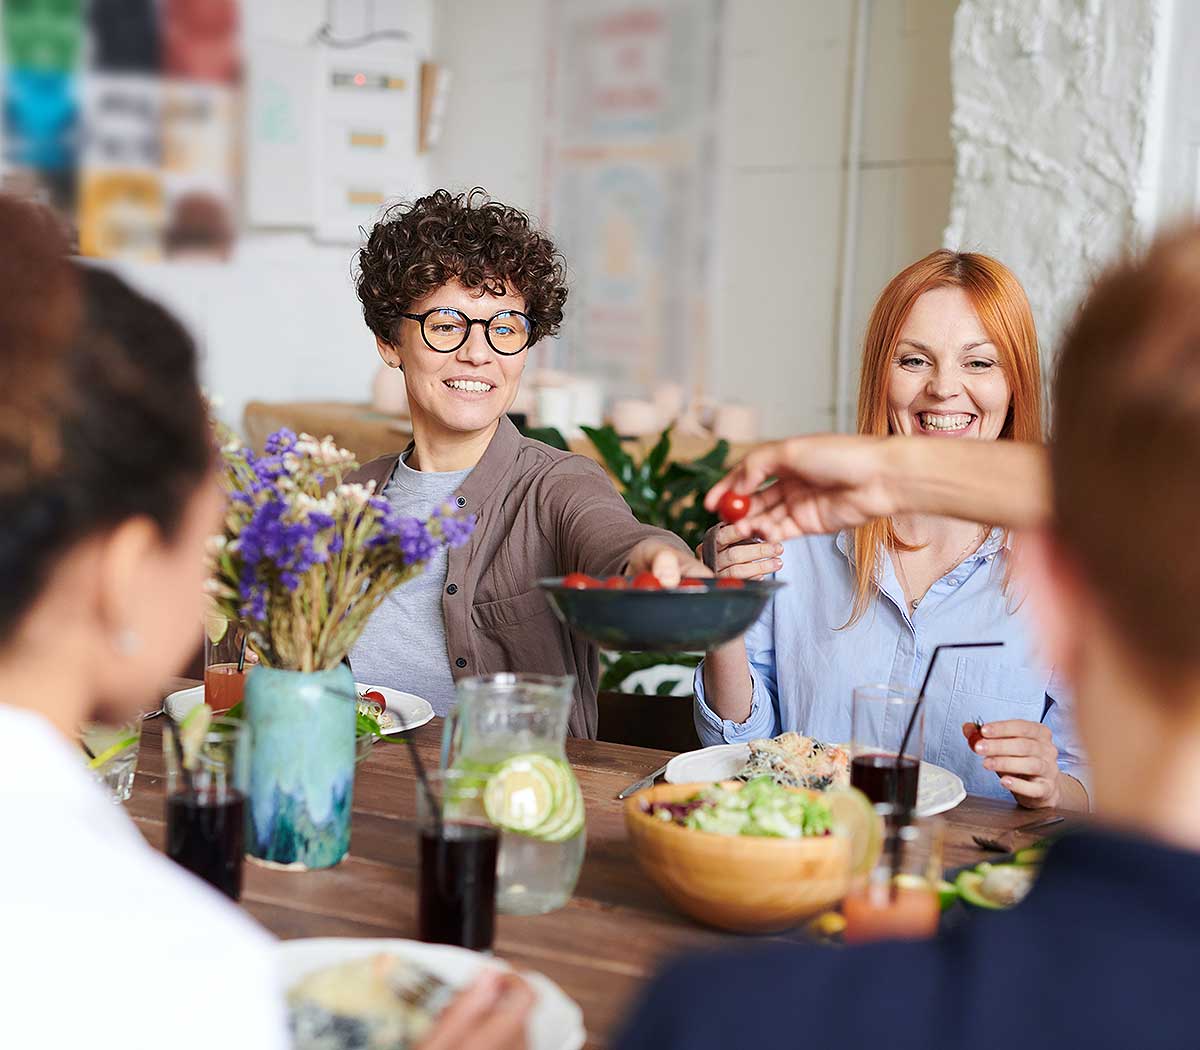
(206, 801)
(898, 899)
(880, 717)
(224, 684)
(458, 847)
(112, 754)
(515, 716)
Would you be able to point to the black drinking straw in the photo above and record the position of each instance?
(242, 655)
(903, 815)
(423, 777)
(184, 772)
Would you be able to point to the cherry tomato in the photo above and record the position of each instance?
(975, 737)
(376, 697)
(692, 583)
(646, 581)
(726, 583)
(579, 581)
(733, 507)
(616, 583)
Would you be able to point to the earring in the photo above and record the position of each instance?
(128, 641)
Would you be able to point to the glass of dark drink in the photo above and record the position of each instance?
(880, 717)
(458, 846)
(206, 800)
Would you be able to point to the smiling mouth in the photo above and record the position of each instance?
(945, 422)
(470, 386)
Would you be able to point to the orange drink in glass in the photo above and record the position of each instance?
(224, 684)
(898, 899)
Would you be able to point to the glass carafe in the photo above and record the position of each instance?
(510, 731)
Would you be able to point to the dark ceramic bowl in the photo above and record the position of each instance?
(685, 619)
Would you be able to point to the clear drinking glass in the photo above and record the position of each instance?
(112, 754)
(898, 899)
(509, 731)
(206, 801)
(880, 717)
(224, 641)
(458, 848)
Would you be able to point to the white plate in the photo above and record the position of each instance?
(404, 710)
(557, 1021)
(180, 703)
(938, 789)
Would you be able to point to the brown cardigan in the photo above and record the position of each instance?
(541, 513)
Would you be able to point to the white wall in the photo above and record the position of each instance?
(785, 69)
(1179, 181)
(280, 321)
(1058, 126)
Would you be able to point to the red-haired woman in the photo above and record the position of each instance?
(950, 354)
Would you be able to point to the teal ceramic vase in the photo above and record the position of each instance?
(302, 765)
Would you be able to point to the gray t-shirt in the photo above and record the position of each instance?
(404, 643)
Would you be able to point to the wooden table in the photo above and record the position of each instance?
(601, 948)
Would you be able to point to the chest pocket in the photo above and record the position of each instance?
(993, 692)
(511, 612)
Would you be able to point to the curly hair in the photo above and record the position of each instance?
(416, 248)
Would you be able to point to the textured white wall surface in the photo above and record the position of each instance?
(1053, 127)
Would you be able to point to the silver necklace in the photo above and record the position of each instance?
(914, 601)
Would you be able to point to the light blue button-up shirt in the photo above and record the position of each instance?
(804, 669)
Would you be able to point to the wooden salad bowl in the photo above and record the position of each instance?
(743, 883)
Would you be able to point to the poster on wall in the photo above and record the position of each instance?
(365, 134)
(629, 184)
(39, 132)
(123, 114)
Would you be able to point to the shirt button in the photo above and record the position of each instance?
(954, 583)
(460, 662)
(461, 501)
(452, 589)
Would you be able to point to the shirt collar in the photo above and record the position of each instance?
(997, 539)
(486, 476)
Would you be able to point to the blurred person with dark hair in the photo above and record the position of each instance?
(455, 290)
(108, 495)
(1102, 952)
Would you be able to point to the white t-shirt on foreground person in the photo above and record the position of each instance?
(170, 962)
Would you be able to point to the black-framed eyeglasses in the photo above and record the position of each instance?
(445, 330)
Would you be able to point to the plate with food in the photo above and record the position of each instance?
(795, 760)
(636, 613)
(394, 711)
(397, 711)
(378, 994)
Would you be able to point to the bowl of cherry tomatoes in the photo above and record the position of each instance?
(636, 613)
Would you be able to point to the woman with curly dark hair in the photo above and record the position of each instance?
(455, 289)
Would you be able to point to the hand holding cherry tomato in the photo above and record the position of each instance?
(733, 507)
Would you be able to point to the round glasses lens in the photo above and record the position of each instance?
(445, 329)
(509, 332)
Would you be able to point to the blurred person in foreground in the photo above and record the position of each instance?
(108, 494)
(1102, 952)
(456, 289)
(950, 354)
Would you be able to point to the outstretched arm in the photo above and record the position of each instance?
(829, 482)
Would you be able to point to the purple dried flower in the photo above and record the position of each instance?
(456, 531)
(283, 440)
(416, 544)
